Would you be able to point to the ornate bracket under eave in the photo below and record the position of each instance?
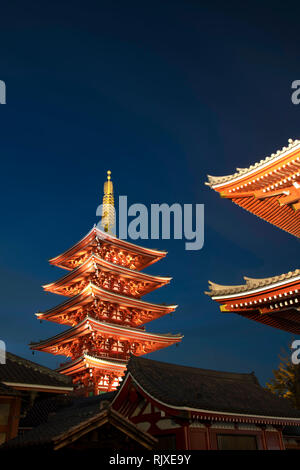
(289, 195)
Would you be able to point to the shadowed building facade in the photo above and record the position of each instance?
(22, 384)
(167, 407)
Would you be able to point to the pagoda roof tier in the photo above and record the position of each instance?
(80, 277)
(92, 292)
(82, 250)
(90, 362)
(270, 189)
(274, 301)
(150, 341)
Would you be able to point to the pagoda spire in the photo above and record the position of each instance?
(108, 207)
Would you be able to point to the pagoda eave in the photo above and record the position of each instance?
(87, 362)
(91, 292)
(150, 256)
(88, 326)
(83, 271)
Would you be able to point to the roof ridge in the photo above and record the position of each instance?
(251, 283)
(33, 365)
(214, 180)
(139, 360)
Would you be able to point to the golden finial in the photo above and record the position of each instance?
(108, 208)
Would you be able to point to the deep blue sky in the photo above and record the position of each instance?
(161, 93)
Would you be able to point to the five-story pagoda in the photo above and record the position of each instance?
(105, 312)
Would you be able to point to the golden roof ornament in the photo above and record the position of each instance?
(108, 206)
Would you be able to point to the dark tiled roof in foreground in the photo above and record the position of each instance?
(43, 409)
(60, 419)
(8, 391)
(20, 370)
(209, 390)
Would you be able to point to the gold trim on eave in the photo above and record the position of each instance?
(223, 308)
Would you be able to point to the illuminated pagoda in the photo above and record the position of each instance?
(105, 312)
(270, 189)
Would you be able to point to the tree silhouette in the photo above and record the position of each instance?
(286, 381)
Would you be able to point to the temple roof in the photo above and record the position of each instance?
(253, 284)
(19, 371)
(5, 390)
(43, 410)
(65, 415)
(202, 389)
(91, 290)
(74, 418)
(90, 324)
(88, 361)
(87, 266)
(151, 255)
(269, 189)
(262, 164)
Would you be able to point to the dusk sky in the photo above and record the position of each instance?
(162, 94)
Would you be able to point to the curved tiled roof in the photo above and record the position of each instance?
(43, 410)
(50, 427)
(76, 417)
(8, 391)
(216, 180)
(210, 390)
(251, 284)
(91, 324)
(22, 371)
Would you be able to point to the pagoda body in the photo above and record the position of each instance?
(104, 311)
(270, 189)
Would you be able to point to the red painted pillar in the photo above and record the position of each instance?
(281, 443)
(263, 436)
(208, 437)
(13, 423)
(95, 391)
(187, 437)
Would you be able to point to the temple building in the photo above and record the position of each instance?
(168, 407)
(105, 312)
(24, 384)
(270, 189)
(199, 409)
(81, 424)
